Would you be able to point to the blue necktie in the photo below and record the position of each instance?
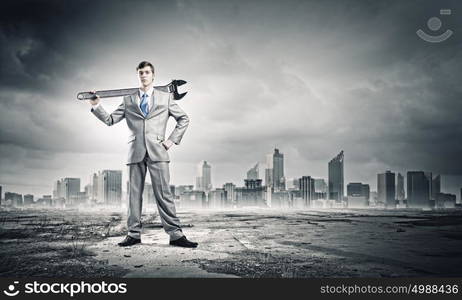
(144, 104)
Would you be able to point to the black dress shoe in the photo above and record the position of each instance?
(129, 241)
(183, 242)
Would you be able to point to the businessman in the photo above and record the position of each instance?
(146, 113)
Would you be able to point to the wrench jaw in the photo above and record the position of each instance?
(175, 84)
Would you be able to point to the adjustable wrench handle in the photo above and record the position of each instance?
(106, 93)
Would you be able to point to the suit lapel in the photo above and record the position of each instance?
(155, 98)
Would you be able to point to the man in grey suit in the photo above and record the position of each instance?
(146, 113)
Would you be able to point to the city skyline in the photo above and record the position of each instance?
(388, 185)
(355, 77)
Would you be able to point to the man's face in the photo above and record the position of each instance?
(145, 76)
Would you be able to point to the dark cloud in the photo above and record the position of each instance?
(309, 77)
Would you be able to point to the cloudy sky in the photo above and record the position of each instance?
(311, 78)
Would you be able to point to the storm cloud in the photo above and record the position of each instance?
(308, 77)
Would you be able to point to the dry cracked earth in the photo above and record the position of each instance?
(236, 243)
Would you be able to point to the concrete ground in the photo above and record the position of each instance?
(300, 243)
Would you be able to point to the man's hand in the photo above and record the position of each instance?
(95, 100)
(167, 144)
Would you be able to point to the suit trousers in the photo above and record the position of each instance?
(160, 178)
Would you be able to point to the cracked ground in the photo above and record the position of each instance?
(237, 243)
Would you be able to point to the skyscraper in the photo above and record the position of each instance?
(292, 183)
(14, 198)
(58, 191)
(307, 189)
(418, 189)
(66, 188)
(436, 186)
(230, 189)
(400, 195)
(269, 171)
(336, 179)
(386, 190)
(278, 171)
(358, 189)
(109, 187)
(28, 199)
(217, 198)
(253, 172)
(252, 194)
(204, 177)
(94, 191)
(320, 188)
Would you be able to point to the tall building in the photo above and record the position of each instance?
(373, 198)
(230, 189)
(183, 188)
(281, 199)
(436, 186)
(307, 189)
(355, 189)
(278, 171)
(386, 189)
(109, 187)
(66, 188)
(253, 172)
(192, 199)
(336, 179)
(14, 198)
(28, 199)
(400, 195)
(78, 199)
(320, 185)
(444, 200)
(358, 195)
(292, 184)
(58, 189)
(429, 177)
(46, 200)
(367, 192)
(252, 194)
(1, 195)
(358, 189)
(418, 189)
(320, 189)
(94, 183)
(269, 171)
(71, 187)
(451, 184)
(204, 177)
(217, 198)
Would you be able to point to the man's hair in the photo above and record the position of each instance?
(144, 64)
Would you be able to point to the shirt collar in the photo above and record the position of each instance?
(149, 92)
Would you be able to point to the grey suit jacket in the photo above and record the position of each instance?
(147, 133)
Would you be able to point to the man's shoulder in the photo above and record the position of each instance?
(162, 89)
(129, 97)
